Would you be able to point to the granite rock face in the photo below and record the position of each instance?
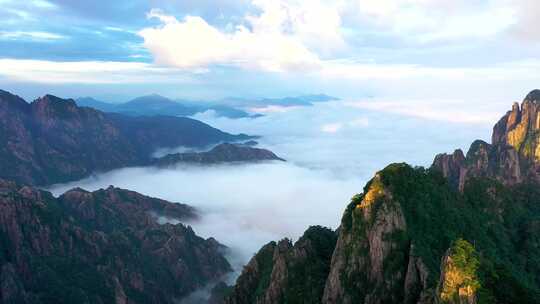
(99, 247)
(513, 155)
(373, 262)
(286, 273)
(459, 280)
(463, 231)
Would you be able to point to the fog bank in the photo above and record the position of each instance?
(332, 149)
(243, 206)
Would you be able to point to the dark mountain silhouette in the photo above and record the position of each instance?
(104, 246)
(158, 105)
(229, 107)
(52, 140)
(222, 153)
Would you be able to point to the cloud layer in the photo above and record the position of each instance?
(395, 50)
(246, 206)
(278, 39)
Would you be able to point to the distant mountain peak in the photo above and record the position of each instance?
(60, 141)
(534, 95)
(7, 97)
(222, 153)
(150, 98)
(48, 98)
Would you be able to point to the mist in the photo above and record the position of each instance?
(332, 149)
(242, 206)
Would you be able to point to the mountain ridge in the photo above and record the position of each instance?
(464, 230)
(52, 140)
(104, 246)
(155, 104)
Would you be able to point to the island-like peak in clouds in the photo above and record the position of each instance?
(464, 231)
(222, 153)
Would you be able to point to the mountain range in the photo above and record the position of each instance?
(464, 231)
(111, 245)
(229, 107)
(100, 247)
(52, 140)
(158, 105)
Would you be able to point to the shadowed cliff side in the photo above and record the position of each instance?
(286, 273)
(52, 140)
(99, 247)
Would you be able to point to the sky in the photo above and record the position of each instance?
(482, 51)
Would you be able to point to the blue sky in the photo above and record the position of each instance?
(398, 49)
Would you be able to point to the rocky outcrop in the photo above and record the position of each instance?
(255, 277)
(286, 273)
(512, 157)
(453, 166)
(222, 153)
(407, 238)
(99, 247)
(370, 261)
(52, 140)
(459, 282)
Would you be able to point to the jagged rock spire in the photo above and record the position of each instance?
(514, 154)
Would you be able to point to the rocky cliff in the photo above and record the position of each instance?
(463, 231)
(52, 140)
(459, 281)
(286, 273)
(99, 247)
(513, 155)
(222, 153)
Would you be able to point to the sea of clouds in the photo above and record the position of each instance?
(332, 150)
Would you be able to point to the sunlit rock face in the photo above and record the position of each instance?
(371, 219)
(459, 280)
(374, 262)
(513, 155)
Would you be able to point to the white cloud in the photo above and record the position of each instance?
(528, 25)
(359, 122)
(429, 20)
(243, 218)
(85, 72)
(30, 35)
(331, 127)
(43, 4)
(335, 127)
(286, 35)
(454, 111)
(245, 206)
(273, 109)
